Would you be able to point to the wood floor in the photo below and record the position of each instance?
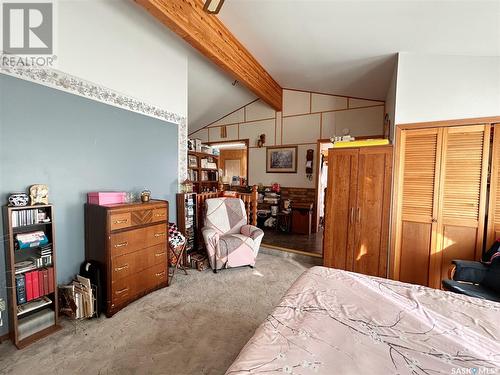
(301, 242)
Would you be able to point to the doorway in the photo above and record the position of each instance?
(321, 182)
(233, 163)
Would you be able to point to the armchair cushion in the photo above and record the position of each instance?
(471, 290)
(469, 271)
(226, 215)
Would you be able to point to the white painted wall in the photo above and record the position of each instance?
(436, 87)
(117, 44)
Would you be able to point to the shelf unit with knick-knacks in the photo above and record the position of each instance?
(29, 240)
(203, 171)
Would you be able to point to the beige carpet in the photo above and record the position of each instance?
(198, 325)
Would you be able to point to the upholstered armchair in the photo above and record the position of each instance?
(229, 240)
(477, 279)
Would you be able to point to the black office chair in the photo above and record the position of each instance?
(477, 279)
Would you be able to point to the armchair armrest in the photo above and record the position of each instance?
(251, 231)
(469, 271)
(211, 238)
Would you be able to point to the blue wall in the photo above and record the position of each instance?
(76, 145)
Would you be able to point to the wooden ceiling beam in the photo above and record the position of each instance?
(207, 34)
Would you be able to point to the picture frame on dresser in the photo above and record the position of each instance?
(128, 242)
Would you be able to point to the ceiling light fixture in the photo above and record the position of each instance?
(213, 6)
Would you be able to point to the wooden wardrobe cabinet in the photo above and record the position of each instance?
(357, 209)
(129, 243)
(440, 200)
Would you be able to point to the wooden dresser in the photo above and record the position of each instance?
(129, 243)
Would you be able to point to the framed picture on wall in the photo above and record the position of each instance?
(281, 159)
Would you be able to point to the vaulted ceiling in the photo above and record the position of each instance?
(338, 47)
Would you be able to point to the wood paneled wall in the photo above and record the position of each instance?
(240, 155)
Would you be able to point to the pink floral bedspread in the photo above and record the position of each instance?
(338, 322)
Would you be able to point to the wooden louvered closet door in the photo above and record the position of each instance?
(494, 206)
(441, 201)
(420, 154)
(462, 197)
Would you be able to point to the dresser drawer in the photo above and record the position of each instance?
(128, 288)
(123, 290)
(136, 239)
(129, 264)
(152, 277)
(120, 221)
(159, 214)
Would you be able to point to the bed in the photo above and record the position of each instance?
(338, 322)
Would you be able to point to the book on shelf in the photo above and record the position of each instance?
(211, 176)
(29, 286)
(20, 289)
(26, 217)
(34, 284)
(30, 240)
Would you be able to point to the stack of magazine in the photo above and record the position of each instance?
(78, 299)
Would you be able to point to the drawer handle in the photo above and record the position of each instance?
(122, 244)
(159, 254)
(159, 215)
(162, 273)
(121, 291)
(123, 221)
(160, 234)
(121, 268)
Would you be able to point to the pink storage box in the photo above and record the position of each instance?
(106, 197)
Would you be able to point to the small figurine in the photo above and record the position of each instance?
(39, 194)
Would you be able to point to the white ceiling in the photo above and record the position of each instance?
(339, 47)
(211, 93)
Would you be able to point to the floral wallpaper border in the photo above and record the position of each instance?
(78, 86)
